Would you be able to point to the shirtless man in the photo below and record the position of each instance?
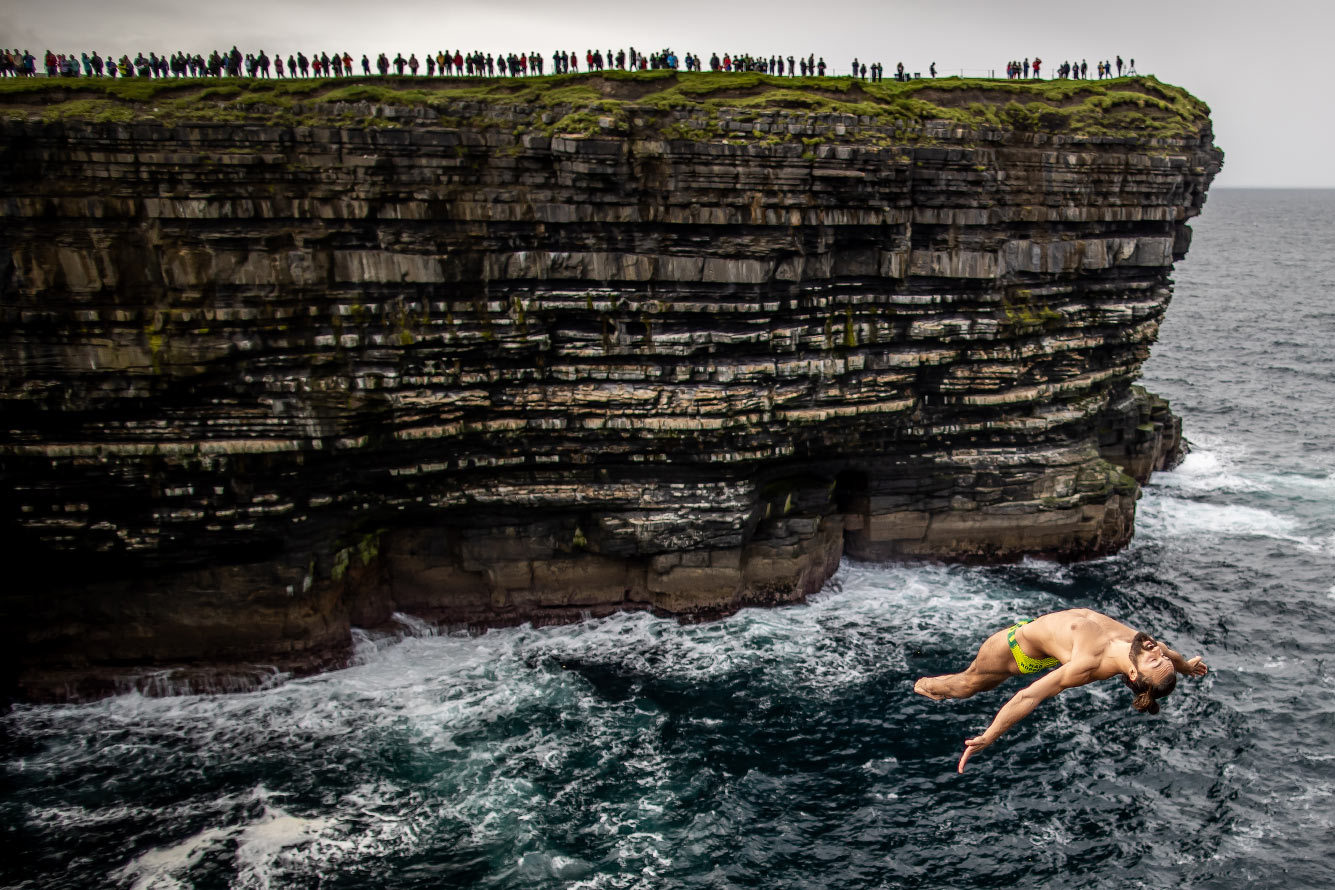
(1083, 645)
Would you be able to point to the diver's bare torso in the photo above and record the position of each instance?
(1076, 636)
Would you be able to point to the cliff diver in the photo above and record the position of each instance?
(1083, 645)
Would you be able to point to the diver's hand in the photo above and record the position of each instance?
(1196, 667)
(971, 747)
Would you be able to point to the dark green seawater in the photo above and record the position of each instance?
(784, 748)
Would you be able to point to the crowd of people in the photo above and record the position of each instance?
(233, 63)
(1068, 70)
(14, 63)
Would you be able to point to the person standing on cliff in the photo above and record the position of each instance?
(1083, 645)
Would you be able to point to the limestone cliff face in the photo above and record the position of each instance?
(261, 383)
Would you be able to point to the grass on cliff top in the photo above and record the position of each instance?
(1137, 107)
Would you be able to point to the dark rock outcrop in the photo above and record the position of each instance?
(261, 383)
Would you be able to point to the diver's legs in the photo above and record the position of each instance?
(992, 666)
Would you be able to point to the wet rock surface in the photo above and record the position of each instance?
(262, 384)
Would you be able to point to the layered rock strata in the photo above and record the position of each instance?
(264, 383)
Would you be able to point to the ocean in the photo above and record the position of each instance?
(785, 747)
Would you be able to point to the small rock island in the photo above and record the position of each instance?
(283, 359)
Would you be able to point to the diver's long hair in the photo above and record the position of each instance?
(1147, 692)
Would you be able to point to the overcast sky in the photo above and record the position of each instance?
(1263, 67)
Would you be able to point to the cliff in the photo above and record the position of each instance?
(282, 359)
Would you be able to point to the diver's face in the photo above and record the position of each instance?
(1148, 657)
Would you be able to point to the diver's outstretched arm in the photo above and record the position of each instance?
(1194, 667)
(1022, 703)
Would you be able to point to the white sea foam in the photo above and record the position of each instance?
(414, 626)
(1323, 544)
(1162, 516)
(1300, 487)
(371, 822)
(1324, 484)
(163, 868)
(1052, 833)
(885, 766)
(432, 684)
(83, 818)
(1184, 502)
(539, 866)
(270, 845)
(1209, 471)
(1218, 466)
(1183, 517)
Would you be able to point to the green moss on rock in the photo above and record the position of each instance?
(584, 104)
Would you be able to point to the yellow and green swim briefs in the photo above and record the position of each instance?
(1026, 664)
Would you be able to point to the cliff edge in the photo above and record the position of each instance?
(280, 359)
